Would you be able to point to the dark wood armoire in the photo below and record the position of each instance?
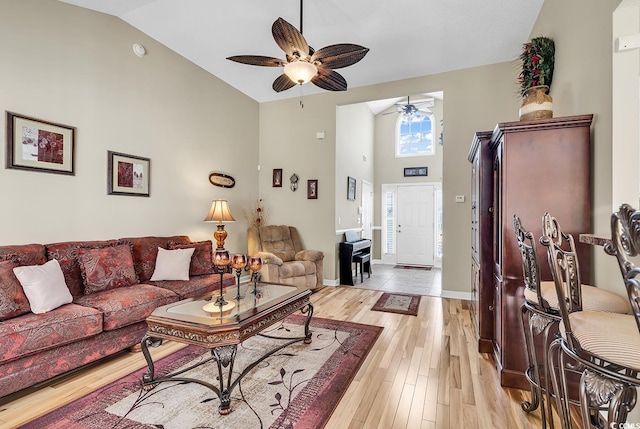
(536, 167)
(482, 302)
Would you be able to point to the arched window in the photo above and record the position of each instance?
(414, 134)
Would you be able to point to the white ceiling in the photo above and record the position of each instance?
(406, 38)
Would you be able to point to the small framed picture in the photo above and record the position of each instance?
(312, 189)
(276, 180)
(38, 145)
(415, 171)
(128, 174)
(351, 188)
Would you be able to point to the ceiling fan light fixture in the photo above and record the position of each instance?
(300, 71)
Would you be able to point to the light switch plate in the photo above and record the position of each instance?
(459, 198)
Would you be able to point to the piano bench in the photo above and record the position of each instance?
(362, 259)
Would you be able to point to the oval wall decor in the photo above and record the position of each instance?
(222, 180)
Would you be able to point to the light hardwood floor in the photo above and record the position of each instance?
(423, 372)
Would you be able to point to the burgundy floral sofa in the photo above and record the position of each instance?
(104, 317)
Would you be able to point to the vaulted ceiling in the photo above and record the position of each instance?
(406, 38)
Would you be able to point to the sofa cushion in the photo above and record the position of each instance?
(197, 285)
(32, 333)
(13, 301)
(145, 251)
(66, 253)
(127, 305)
(172, 264)
(202, 259)
(25, 254)
(106, 266)
(44, 286)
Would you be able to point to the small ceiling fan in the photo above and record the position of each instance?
(303, 63)
(409, 108)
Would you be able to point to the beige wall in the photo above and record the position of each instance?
(626, 109)
(582, 83)
(76, 67)
(355, 157)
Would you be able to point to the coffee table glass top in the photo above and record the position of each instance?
(205, 311)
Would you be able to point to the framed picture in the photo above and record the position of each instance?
(312, 189)
(127, 174)
(276, 180)
(415, 171)
(37, 145)
(351, 188)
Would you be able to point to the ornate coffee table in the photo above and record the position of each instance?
(221, 331)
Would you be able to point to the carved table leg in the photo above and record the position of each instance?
(307, 333)
(147, 378)
(225, 357)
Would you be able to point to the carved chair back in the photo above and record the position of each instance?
(530, 268)
(625, 246)
(565, 270)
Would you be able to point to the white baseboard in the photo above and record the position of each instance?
(454, 294)
(329, 282)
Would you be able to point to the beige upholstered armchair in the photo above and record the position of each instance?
(284, 260)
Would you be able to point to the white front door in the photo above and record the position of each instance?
(415, 225)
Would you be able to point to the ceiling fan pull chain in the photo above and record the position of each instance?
(301, 103)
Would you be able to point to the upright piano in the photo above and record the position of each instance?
(352, 246)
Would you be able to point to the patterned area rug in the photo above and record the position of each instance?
(414, 267)
(299, 386)
(398, 303)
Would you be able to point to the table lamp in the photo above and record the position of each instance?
(219, 212)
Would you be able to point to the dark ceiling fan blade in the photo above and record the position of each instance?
(329, 80)
(290, 40)
(282, 83)
(258, 60)
(341, 55)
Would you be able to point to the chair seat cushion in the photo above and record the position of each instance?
(593, 298)
(297, 269)
(611, 336)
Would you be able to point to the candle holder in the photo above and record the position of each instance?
(255, 264)
(221, 261)
(238, 262)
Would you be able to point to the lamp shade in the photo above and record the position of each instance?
(219, 212)
(300, 71)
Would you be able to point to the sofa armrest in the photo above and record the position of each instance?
(309, 255)
(269, 258)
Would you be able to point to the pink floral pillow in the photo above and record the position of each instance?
(202, 259)
(13, 301)
(106, 267)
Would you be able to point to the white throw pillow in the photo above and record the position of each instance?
(172, 264)
(44, 286)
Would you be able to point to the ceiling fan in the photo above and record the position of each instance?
(303, 63)
(409, 108)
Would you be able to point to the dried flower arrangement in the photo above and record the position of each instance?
(257, 215)
(537, 58)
